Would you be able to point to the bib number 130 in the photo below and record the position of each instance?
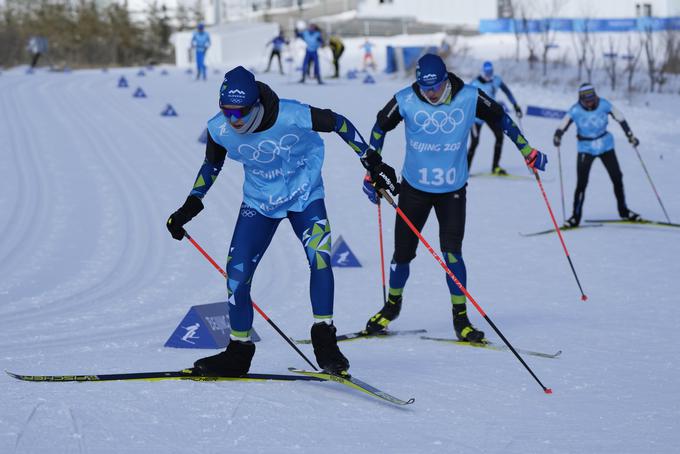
(437, 176)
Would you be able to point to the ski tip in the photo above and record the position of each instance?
(410, 401)
(548, 390)
(584, 297)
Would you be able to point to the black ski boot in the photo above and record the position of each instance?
(326, 349)
(233, 362)
(629, 215)
(572, 222)
(388, 313)
(464, 329)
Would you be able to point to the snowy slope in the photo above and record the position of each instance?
(92, 282)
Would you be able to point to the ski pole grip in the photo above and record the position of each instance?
(387, 196)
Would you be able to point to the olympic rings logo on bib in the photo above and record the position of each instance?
(248, 212)
(439, 121)
(593, 121)
(267, 150)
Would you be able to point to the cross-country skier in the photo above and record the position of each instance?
(277, 46)
(368, 60)
(490, 83)
(337, 48)
(200, 42)
(313, 39)
(591, 115)
(277, 142)
(438, 112)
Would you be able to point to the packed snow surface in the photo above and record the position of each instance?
(93, 283)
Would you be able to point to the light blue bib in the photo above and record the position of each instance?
(592, 124)
(436, 140)
(200, 40)
(282, 164)
(490, 88)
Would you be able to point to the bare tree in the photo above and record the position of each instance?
(548, 11)
(590, 56)
(516, 7)
(611, 60)
(649, 45)
(671, 63)
(529, 39)
(581, 38)
(632, 58)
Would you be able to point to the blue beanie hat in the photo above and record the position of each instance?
(430, 70)
(487, 69)
(239, 88)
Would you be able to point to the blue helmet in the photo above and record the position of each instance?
(487, 70)
(430, 71)
(239, 88)
(200, 26)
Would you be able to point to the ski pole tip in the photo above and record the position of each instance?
(548, 390)
(584, 297)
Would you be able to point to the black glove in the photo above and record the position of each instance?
(518, 111)
(192, 206)
(557, 138)
(632, 139)
(382, 175)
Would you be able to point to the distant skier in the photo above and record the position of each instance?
(37, 46)
(313, 39)
(591, 115)
(368, 60)
(277, 142)
(338, 48)
(200, 42)
(489, 83)
(277, 47)
(438, 112)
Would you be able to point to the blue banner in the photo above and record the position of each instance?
(545, 112)
(579, 25)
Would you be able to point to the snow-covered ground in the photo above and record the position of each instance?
(93, 283)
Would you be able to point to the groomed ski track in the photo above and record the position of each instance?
(92, 282)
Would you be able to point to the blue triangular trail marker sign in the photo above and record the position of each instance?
(342, 256)
(369, 79)
(204, 326)
(122, 82)
(139, 93)
(169, 111)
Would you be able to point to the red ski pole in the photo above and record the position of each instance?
(559, 234)
(257, 308)
(382, 253)
(460, 286)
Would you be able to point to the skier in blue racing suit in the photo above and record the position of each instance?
(591, 115)
(278, 143)
(438, 111)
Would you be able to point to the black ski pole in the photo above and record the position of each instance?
(460, 286)
(559, 165)
(644, 167)
(257, 308)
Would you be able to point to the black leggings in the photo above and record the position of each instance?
(583, 164)
(474, 141)
(416, 205)
(276, 53)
